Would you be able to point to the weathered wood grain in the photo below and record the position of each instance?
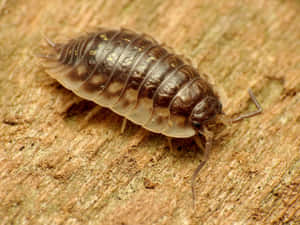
(63, 160)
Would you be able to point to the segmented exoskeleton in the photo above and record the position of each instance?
(139, 79)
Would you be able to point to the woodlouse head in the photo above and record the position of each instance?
(205, 112)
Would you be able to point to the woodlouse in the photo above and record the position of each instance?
(139, 79)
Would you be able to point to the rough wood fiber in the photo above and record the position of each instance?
(62, 161)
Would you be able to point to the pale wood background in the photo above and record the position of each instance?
(64, 162)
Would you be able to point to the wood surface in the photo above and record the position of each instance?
(63, 160)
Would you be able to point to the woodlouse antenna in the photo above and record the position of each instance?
(251, 114)
(209, 139)
(208, 146)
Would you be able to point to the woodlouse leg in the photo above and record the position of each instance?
(170, 143)
(68, 104)
(90, 114)
(124, 122)
(208, 145)
(247, 115)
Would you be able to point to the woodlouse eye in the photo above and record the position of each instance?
(205, 111)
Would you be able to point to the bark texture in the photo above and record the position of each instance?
(64, 161)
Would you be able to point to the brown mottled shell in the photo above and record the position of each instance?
(135, 77)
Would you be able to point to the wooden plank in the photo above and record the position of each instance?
(62, 161)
